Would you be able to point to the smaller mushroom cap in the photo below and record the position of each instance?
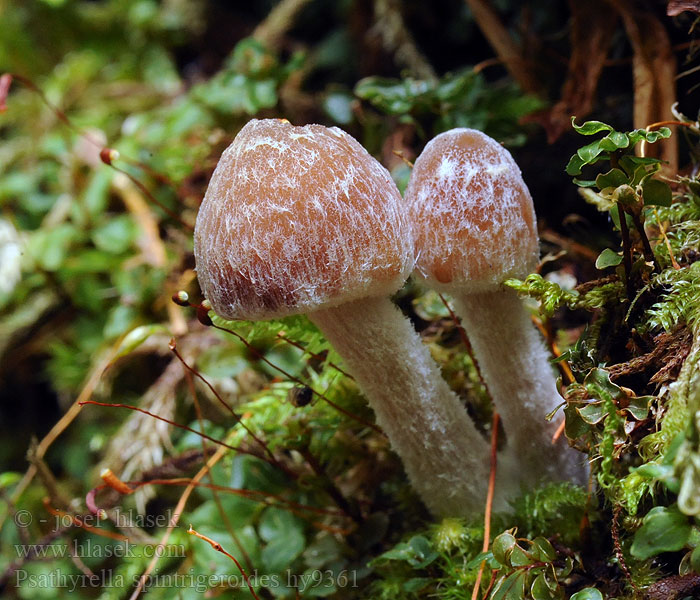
(297, 219)
(471, 212)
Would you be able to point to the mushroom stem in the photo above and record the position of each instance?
(445, 457)
(515, 366)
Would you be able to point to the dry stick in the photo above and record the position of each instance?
(502, 43)
(77, 521)
(563, 364)
(662, 229)
(318, 357)
(218, 547)
(65, 420)
(489, 500)
(214, 493)
(173, 347)
(278, 21)
(175, 518)
(291, 377)
(260, 496)
(465, 341)
(178, 425)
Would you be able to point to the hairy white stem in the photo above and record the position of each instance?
(446, 459)
(515, 366)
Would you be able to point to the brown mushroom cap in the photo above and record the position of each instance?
(297, 219)
(471, 212)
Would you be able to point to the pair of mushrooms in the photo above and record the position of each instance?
(304, 220)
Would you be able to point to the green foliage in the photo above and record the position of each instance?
(461, 99)
(527, 569)
(604, 148)
(248, 81)
(553, 507)
(680, 299)
(664, 529)
(552, 296)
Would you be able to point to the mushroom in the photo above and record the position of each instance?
(304, 220)
(474, 227)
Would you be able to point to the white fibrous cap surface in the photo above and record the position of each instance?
(472, 215)
(297, 219)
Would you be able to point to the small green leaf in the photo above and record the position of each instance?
(663, 530)
(593, 413)
(654, 471)
(540, 589)
(590, 127)
(423, 553)
(543, 550)
(607, 258)
(115, 235)
(519, 557)
(656, 193)
(574, 166)
(502, 545)
(639, 407)
(285, 539)
(510, 588)
(590, 152)
(613, 178)
(587, 594)
(695, 559)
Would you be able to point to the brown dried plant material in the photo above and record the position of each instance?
(676, 7)
(674, 588)
(503, 45)
(654, 70)
(592, 31)
(664, 361)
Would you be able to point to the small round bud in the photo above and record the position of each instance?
(181, 298)
(203, 315)
(107, 155)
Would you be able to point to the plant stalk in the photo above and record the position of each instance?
(445, 457)
(515, 366)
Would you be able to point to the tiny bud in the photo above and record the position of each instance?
(107, 155)
(625, 195)
(181, 298)
(203, 315)
(114, 482)
(172, 344)
(206, 304)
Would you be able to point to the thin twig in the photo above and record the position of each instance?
(489, 501)
(179, 426)
(465, 341)
(662, 229)
(260, 356)
(215, 493)
(173, 347)
(281, 335)
(220, 452)
(219, 548)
